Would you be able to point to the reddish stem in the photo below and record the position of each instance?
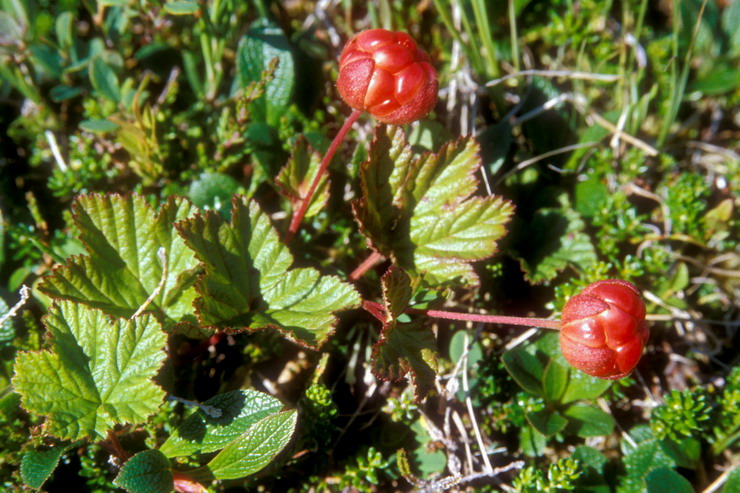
(115, 445)
(365, 266)
(490, 319)
(295, 222)
(378, 311)
(375, 309)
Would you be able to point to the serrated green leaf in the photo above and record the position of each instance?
(38, 465)
(397, 291)
(588, 421)
(296, 176)
(256, 448)
(404, 347)
(546, 421)
(202, 433)
(123, 235)
(263, 42)
(104, 79)
(146, 472)
(247, 284)
(420, 212)
(556, 240)
(98, 373)
(664, 480)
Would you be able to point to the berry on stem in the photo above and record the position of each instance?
(604, 330)
(386, 74)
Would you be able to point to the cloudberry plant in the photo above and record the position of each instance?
(387, 75)
(604, 329)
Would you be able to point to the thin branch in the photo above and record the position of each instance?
(52, 140)
(25, 293)
(374, 259)
(546, 155)
(471, 413)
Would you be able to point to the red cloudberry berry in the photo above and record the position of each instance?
(387, 75)
(604, 330)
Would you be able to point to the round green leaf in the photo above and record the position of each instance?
(146, 472)
(588, 421)
(664, 480)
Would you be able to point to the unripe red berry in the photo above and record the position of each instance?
(604, 330)
(387, 75)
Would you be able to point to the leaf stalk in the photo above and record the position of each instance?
(295, 222)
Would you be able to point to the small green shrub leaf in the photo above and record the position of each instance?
(263, 42)
(203, 433)
(181, 7)
(104, 79)
(214, 191)
(546, 421)
(554, 381)
(556, 241)
(404, 347)
(256, 448)
(419, 210)
(124, 271)
(98, 373)
(533, 442)
(588, 421)
(247, 284)
(664, 480)
(98, 126)
(38, 465)
(525, 368)
(296, 177)
(61, 93)
(146, 472)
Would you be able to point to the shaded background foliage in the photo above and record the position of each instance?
(622, 165)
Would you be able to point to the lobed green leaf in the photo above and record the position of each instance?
(404, 347)
(296, 176)
(420, 212)
(98, 373)
(123, 270)
(247, 284)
